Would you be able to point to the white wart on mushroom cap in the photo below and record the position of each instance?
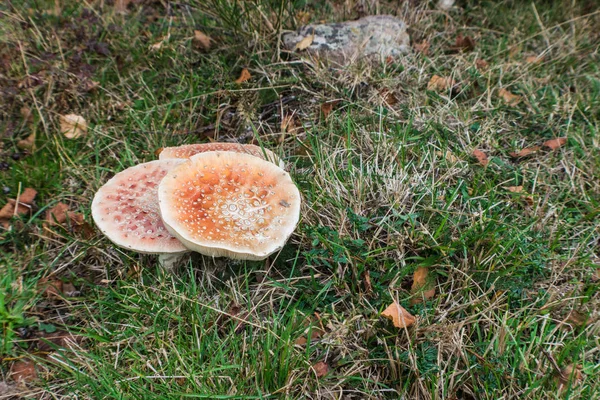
(189, 150)
(230, 204)
(126, 209)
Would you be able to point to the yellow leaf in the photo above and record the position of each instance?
(398, 315)
(201, 41)
(305, 43)
(73, 126)
(509, 98)
(244, 76)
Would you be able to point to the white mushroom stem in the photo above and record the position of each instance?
(170, 260)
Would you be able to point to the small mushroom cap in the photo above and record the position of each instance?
(189, 150)
(126, 209)
(230, 204)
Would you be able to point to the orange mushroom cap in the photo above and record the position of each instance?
(230, 204)
(126, 209)
(189, 150)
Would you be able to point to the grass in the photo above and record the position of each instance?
(388, 187)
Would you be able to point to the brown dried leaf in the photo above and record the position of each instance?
(27, 115)
(554, 144)
(305, 43)
(388, 97)
(422, 285)
(440, 84)
(481, 64)
(481, 157)
(422, 47)
(569, 376)
(11, 208)
(89, 85)
(321, 369)
(398, 315)
(525, 152)
(465, 43)
(366, 278)
(534, 59)
(23, 371)
(577, 318)
(515, 189)
(27, 196)
(201, 41)
(448, 156)
(327, 107)
(509, 98)
(244, 76)
(73, 126)
(289, 123)
(50, 287)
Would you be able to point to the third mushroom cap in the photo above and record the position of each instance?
(230, 204)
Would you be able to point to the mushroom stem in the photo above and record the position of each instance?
(171, 260)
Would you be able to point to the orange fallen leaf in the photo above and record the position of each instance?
(244, 76)
(305, 43)
(554, 144)
(465, 43)
(321, 369)
(23, 371)
(422, 47)
(509, 98)
(398, 315)
(525, 152)
(72, 126)
(20, 206)
(440, 84)
(327, 107)
(481, 157)
(481, 64)
(201, 41)
(422, 285)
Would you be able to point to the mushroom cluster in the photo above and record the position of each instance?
(219, 199)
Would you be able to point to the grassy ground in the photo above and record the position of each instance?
(389, 185)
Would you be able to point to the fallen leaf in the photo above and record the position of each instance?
(389, 60)
(50, 341)
(577, 318)
(388, 97)
(481, 157)
(515, 189)
(525, 152)
(465, 43)
(288, 123)
(73, 126)
(158, 151)
(158, 45)
(26, 114)
(533, 59)
(448, 156)
(23, 371)
(568, 376)
(27, 143)
(304, 43)
(440, 84)
(321, 369)
(121, 6)
(422, 285)
(422, 47)
(399, 316)
(302, 17)
(509, 98)
(366, 279)
(301, 341)
(327, 107)
(89, 85)
(201, 41)
(481, 64)
(21, 206)
(50, 287)
(554, 144)
(244, 76)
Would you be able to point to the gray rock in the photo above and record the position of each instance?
(374, 37)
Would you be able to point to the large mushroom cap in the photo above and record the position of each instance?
(189, 150)
(126, 209)
(230, 204)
